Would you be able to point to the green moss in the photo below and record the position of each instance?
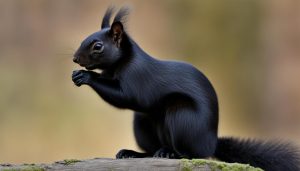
(70, 161)
(186, 165)
(26, 168)
(189, 165)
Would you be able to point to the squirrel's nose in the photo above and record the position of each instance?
(75, 59)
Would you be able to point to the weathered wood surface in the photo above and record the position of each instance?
(145, 164)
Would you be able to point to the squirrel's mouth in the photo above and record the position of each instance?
(90, 67)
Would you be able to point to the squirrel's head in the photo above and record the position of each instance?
(102, 49)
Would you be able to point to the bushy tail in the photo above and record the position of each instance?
(270, 156)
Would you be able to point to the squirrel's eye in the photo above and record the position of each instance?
(97, 47)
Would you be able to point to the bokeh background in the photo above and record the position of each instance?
(249, 49)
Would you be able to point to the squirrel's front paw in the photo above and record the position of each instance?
(80, 77)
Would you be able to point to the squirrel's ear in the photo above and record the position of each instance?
(116, 31)
(106, 17)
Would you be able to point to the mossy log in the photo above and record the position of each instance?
(145, 164)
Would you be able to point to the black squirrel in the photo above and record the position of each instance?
(176, 107)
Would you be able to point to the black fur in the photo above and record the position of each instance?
(271, 156)
(122, 14)
(106, 17)
(176, 107)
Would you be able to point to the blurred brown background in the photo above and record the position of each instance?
(249, 49)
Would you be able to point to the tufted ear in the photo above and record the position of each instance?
(106, 17)
(116, 32)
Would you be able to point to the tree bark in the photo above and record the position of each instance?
(145, 164)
